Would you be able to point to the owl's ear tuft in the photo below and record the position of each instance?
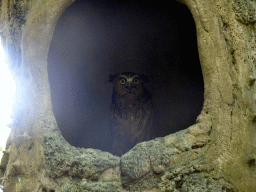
(112, 78)
(145, 78)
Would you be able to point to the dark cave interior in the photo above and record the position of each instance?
(95, 39)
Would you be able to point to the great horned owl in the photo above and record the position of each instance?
(132, 118)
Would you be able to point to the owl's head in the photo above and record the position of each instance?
(128, 83)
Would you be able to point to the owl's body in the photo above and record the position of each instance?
(132, 118)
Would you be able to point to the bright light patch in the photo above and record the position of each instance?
(7, 97)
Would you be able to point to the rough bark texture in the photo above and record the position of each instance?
(218, 153)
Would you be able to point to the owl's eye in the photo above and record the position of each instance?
(135, 81)
(122, 81)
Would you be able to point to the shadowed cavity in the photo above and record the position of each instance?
(95, 39)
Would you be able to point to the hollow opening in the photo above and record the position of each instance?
(95, 39)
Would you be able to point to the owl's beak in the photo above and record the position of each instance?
(129, 88)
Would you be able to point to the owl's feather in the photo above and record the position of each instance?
(132, 118)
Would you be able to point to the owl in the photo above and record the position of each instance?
(132, 114)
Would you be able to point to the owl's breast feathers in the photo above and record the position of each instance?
(130, 103)
(133, 117)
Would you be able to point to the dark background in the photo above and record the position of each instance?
(94, 39)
